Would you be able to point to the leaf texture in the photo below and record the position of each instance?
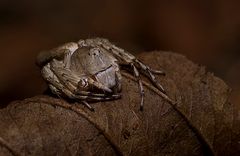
(200, 121)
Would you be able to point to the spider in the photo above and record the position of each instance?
(89, 70)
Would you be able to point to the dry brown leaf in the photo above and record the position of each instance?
(201, 122)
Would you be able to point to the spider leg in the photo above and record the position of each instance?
(140, 85)
(99, 85)
(87, 105)
(89, 98)
(157, 71)
(65, 76)
(118, 81)
(93, 98)
(59, 52)
(130, 59)
(56, 84)
(54, 90)
(67, 59)
(149, 73)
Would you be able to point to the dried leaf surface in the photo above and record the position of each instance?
(201, 122)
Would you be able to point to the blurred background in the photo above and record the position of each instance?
(206, 31)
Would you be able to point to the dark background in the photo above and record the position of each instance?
(206, 31)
